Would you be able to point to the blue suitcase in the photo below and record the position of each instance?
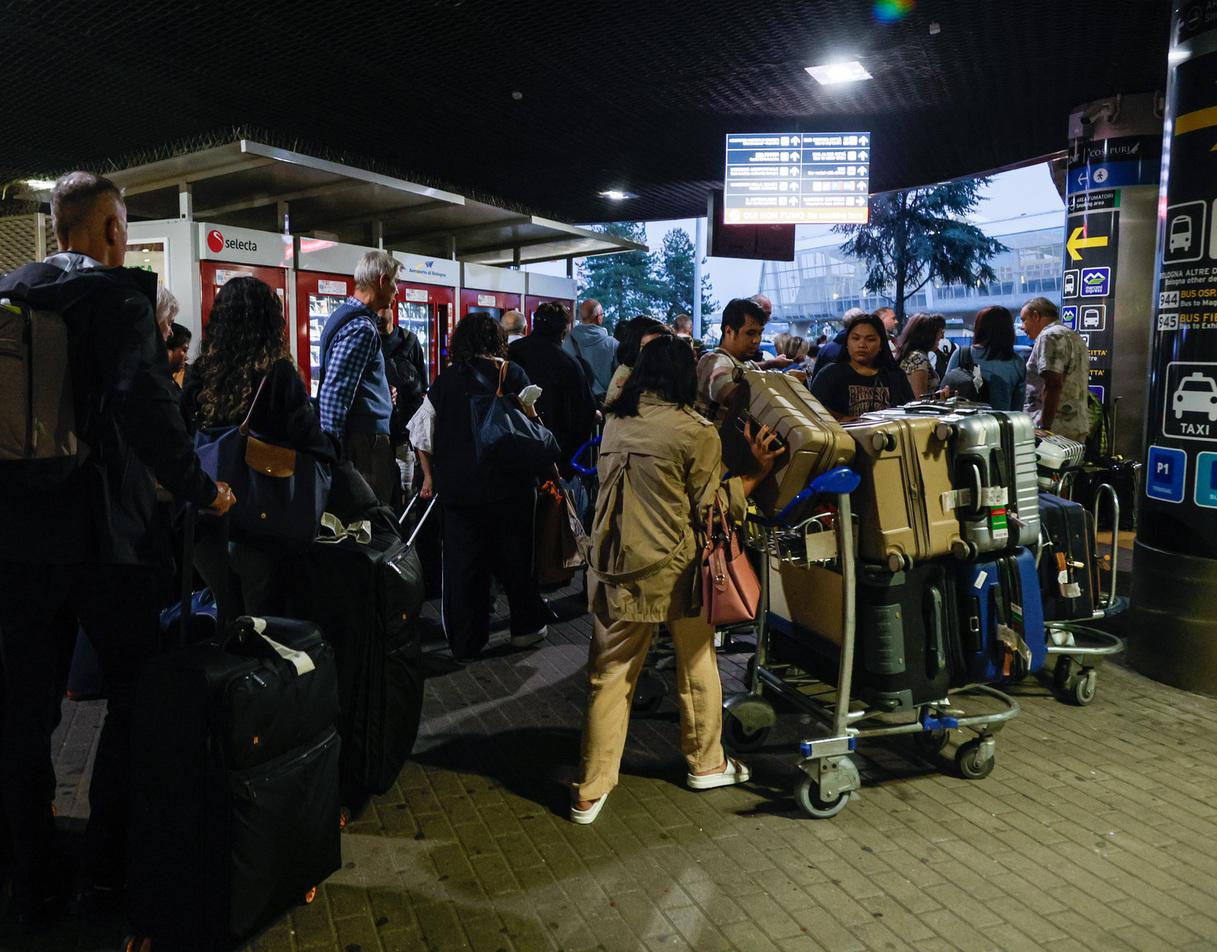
(1002, 635)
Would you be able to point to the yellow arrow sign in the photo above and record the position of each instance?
(1076, 241)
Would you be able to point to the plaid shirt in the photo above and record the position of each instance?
(351, 350)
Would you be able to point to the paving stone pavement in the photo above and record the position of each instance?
(1095, 831)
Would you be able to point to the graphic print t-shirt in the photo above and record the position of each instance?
(845, 391)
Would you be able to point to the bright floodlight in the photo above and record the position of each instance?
(40, 184)
(831, 73)
(616, 195)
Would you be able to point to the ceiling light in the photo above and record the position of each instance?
(846, 72)
(40, 184)
(617, 195)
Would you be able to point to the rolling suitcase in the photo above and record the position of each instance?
(234, 807)
(1123, 475)
(1002, 620)
(907, 633)
(815, 442)
(905, 502)
(366, 591)
(1067, 568)
(994, 469)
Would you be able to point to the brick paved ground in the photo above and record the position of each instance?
(1095, 831)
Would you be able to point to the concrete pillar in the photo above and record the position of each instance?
(1173, 629)
(1111, 198)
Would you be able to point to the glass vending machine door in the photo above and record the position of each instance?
(320, 307)
(415, 316)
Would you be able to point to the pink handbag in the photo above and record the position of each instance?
(730, 590)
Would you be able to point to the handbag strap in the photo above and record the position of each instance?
(244, 427)
(502, 377)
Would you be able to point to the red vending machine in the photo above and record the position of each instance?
(426, 304)
(543, 288)
(325, 277)
(493, 291)
(225, 252)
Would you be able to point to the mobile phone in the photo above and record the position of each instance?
(775, 441)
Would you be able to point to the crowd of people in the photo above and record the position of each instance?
(86, 549)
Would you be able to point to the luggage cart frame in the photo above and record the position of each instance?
(829, 774)
(1075, 673)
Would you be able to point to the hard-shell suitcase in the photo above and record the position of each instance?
(366, 591)
(993, 464)
(907, 632)
(905, 500)
(1002, 619)
(234, 759)
(815, 441)
(1067, 567)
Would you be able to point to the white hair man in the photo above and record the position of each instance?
(353, 392)
(1058, 372)
(514, 325)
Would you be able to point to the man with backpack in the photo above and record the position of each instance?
(89, 422)
(353, 394)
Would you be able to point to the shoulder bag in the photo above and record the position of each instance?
(504, 436)
(730, 590)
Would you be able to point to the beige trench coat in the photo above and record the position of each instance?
(659, 472)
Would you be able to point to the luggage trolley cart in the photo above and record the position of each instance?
(829, 775)
(1080, 648)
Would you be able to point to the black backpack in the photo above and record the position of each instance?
(963, 379)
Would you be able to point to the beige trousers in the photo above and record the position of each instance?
(618, 652)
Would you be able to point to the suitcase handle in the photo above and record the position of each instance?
(938, 655)
(574, 460)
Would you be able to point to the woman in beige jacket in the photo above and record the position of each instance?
(660, 471)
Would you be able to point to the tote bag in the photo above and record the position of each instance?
(504, 436)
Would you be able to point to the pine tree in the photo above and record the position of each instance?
(920, 235)
(624, 284)
(674, 277)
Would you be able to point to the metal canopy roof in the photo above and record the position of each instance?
(544, 104)
(252, 185)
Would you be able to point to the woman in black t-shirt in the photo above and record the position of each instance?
(864, 378)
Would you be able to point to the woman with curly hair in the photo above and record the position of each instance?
(487, 512)
(244, 343)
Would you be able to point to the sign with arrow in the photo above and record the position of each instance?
(1089, 274)
(1078, 241)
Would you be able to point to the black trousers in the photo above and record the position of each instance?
(478, 541)
(40, 606)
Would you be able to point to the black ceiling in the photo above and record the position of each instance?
(633, 95)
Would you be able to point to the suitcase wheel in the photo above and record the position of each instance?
(310, 896)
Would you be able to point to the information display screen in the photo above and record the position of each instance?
(792, 178)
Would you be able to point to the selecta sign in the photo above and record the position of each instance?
(244, 246)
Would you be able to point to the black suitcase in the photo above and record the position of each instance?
(1123, 475)
(1067, 567)
(367, 597)
(235, 800)
(907, 633)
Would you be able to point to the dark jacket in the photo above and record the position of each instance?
(407, 373)
(828, 355)
(459, 479)
(566, 406)
(284, 413)
(126, 412)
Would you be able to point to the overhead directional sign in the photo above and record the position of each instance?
(797, 178)
(1077, 242)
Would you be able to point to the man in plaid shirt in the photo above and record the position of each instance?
(354, 395)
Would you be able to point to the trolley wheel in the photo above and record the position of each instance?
(930, 743)
(971, 767)
(739, 739)
(310, 896)
(1084, 687)
(1062, 674)
(807, 793)
(649, 694)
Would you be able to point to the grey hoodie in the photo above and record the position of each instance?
(597, 348)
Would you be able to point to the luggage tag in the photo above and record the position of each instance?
(298, 659)
(999, 527)
(1068, 589)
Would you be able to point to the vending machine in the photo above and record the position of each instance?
(325, 278)
(426, 304)
(543, 288)
(493, 291)
(166, 248)
(225, 252)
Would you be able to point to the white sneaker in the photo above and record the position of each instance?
(530, 639)
(735, 772)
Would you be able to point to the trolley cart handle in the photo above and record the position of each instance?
(838, 482)
(1109, 491)
(574, 460)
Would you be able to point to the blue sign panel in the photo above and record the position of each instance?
(1167, 472)
(1069, 315)
(1096, 282)
(1206, 480)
